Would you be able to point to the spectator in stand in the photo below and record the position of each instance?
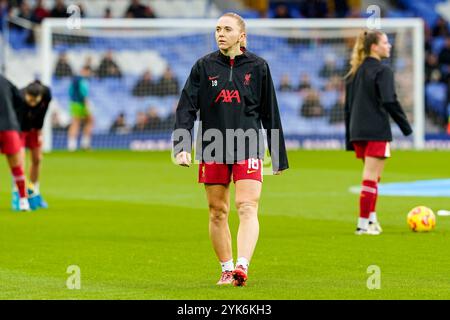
(88, 65)
(431, 64)
(108, 68)
(330, 68)
(25, 11)
(145, 86)
(138, 10)
(59, 10)
(282, 12)
(444, 58)
(40, 12)
(285, 84)
(440, 29)
(314, 8)
(168, 84)
(63, 68)
(338, 8)
(312, 107)
(119, 125)
(305, 83)
(141, 122)
(108, 13)
(154, 122)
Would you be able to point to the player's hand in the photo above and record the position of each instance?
(183, 159)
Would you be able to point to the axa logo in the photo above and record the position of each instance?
(227, 96)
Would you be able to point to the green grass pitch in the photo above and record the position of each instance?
(136, 225)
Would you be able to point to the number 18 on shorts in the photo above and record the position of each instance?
(221, 173)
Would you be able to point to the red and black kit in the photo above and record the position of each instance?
(231, 94)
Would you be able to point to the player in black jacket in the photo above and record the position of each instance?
(36, 99)
(10, 143)
(370, 100)
(233, 91)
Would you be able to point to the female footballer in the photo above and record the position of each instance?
(370, 99)
(10, 142)
(233, 90)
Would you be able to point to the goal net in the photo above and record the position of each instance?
(139, 68)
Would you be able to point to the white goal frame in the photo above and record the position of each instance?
(416, 24)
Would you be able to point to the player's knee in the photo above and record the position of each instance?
(218, 212)
(36, 160)
(246, 208)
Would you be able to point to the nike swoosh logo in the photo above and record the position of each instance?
(251, 171)
(213, 78)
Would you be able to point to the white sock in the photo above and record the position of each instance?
(242, 262)
(363, 223)
(86, 142)
(227, 265)
(36, 190)
(373, 217)
(72, 144)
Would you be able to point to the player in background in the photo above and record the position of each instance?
(10, 143)
(233, 89)
(370, 100)
(36, 99)
(80, 111)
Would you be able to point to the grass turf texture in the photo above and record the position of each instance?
(137, 226)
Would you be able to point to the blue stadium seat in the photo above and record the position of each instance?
(436, 97)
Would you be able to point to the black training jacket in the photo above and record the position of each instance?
(370, 99)
(10, 100)
(235, 95)
(33, 117)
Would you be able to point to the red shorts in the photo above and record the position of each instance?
(10, 142)
(220, 173)
(376, 149)
(31, 139)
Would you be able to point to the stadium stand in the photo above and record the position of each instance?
(113, 97)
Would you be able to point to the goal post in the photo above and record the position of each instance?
(291, 47)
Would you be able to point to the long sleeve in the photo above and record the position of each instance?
(348, 144)
(386, 87)
(186, 112)
(270, 118)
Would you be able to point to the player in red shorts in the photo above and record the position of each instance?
(232, 89)
(36, 99)
(10, 144)
(370, 100)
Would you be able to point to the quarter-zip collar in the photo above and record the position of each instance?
(237, 59)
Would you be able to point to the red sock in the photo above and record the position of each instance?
(374, 204)
(19, 179)
(367, 198)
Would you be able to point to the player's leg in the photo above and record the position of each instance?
(15, 202)
(15, 164)
(247, 199)
(35, 167)
(218, 196)
(87, 132)
(36, 199)
(11, 146)
(247, 176)
(369, 190)
(373, 219)
(72, 133)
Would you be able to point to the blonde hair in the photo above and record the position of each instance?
(362, 47)
(241, 24)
